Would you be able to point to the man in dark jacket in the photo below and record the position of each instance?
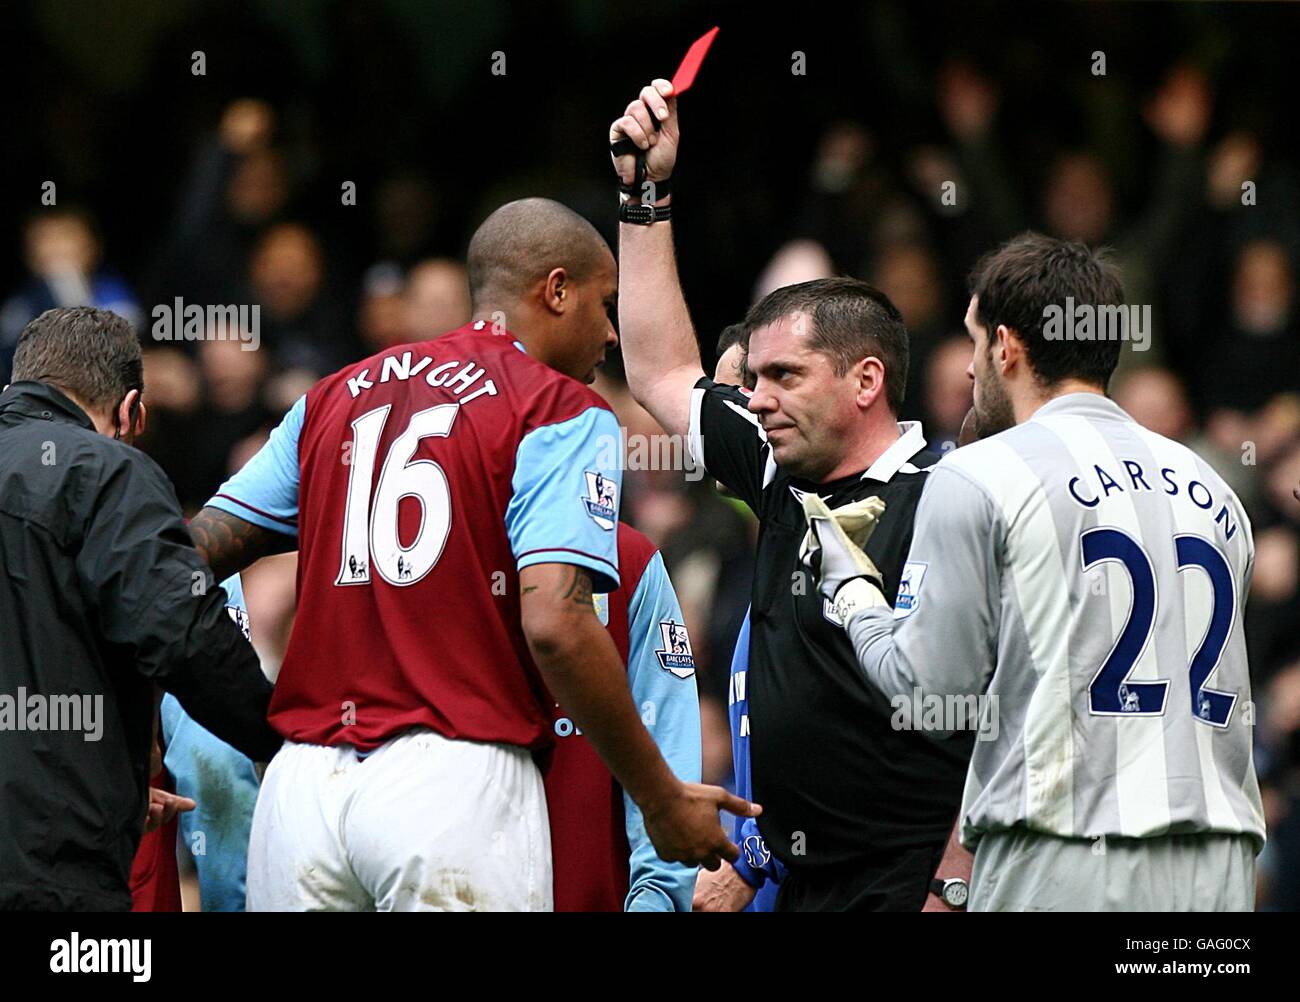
(102, 596)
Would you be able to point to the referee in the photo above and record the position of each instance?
(857, 810)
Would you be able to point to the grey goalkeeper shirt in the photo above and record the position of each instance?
(1075, 592)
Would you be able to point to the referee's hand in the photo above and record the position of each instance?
(656, 103)
(685, 828)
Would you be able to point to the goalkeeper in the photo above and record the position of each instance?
(856, 809)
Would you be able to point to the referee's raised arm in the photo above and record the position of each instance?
(660, 354)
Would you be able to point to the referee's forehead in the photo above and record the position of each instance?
(784, 340)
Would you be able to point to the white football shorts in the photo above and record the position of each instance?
(423, 823)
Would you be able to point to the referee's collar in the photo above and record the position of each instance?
(897, 458)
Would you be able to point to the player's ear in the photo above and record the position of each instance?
(557, 289)
(1008, 350)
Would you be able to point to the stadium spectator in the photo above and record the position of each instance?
(795, 262)
(381, 318)
(908, 273)
(437, 299)
(239, 184)
(300, 323)
(1259, 341)
(63, 255)
(406, 209)
(947, 395)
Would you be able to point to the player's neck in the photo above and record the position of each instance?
(492, 314)
(512, 318)
(1025, 405)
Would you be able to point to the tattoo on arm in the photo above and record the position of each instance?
(229, 544)
(578, 589)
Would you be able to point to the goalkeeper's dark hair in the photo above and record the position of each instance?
(1017, 282)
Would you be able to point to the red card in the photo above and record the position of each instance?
(685, 75)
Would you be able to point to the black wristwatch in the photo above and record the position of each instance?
(953, 892)
(642, 214)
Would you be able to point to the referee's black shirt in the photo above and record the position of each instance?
(836, 780)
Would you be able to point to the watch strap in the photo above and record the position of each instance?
(642, 214)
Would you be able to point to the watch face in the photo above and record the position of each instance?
(955, 893)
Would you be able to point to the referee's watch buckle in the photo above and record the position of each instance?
(641, 214)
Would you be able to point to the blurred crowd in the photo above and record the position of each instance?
(1201, 208)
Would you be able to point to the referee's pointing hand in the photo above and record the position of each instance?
(656, 104)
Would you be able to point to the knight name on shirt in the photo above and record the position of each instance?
(454, 376)
(1093, 490)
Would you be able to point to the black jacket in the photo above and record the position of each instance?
(102, 594)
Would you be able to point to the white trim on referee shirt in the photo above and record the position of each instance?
(897, 458)
(695, 429)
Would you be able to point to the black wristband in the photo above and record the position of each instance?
(642, 214)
